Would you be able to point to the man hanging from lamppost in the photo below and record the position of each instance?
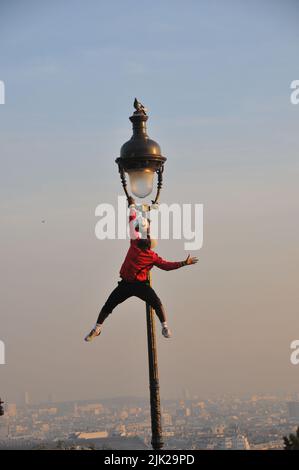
(141, 158)
(134, 271)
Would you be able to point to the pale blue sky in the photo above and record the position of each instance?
(216, 78)
(204, 69)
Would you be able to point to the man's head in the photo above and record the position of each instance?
(145, 243)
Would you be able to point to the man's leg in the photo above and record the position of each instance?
(145, 292)
(122, 292)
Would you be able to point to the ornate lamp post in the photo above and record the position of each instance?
(141, 158)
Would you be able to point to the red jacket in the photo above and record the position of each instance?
(138, 262)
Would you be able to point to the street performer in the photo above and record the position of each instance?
(134, 271)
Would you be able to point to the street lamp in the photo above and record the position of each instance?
(141, 159)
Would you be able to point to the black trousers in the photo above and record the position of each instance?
(124, 290)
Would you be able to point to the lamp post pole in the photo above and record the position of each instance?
(139, 157)
(157, 441)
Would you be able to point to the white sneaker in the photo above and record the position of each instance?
(166, 332)
(93, 334)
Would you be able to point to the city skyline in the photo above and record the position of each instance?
(231, 423)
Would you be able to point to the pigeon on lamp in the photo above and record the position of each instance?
(140, 109)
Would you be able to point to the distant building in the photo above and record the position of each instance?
(45, 427)
(11, 410)
(167, 419)
(240, 442)
(47, 411)
(50, 398)
(3, 429)
(120, 430)
(91, 435)
(100, 440)
(93, 408)
(113, 443)
(26, 399)
(293, 408)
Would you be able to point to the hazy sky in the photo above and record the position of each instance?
(216, 78)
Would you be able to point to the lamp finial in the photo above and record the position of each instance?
(140, 109)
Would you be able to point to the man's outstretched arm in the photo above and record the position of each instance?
(169, 265)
